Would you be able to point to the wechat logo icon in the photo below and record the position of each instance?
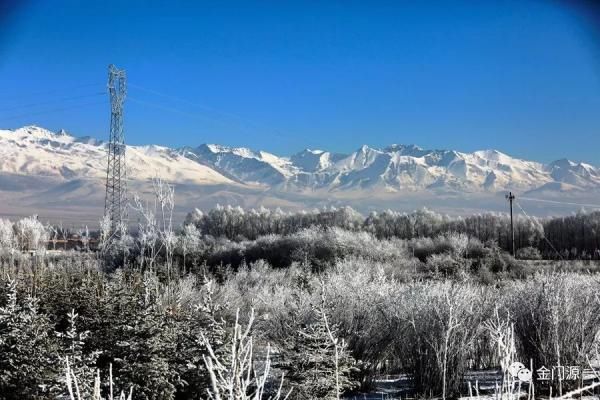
(518, 371)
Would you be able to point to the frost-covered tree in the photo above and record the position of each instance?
(194, 326)
(30, 234)
(7, 236)
(234, 376)
(29, 367)
(445, 321)
(81, 364)
(156, 235)
(84, 237)
(317, 361)
(105, 234)
(135, 337)
(188, 241)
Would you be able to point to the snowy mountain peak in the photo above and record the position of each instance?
(315, 160)
(315, 152)
(366, 149)
(578, 174)
(62, 132)
(240, 151)
(36, 151)
(36, 131)
(489, 153)
(562, 163)
(403, 149)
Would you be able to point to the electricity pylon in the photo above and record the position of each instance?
(115, 202)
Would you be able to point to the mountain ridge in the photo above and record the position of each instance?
(396, 168)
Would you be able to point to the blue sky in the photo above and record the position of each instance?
(519, 76)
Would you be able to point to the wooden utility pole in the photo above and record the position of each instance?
(510, 197)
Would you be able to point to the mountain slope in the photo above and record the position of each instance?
(244, 165)
(35, 151)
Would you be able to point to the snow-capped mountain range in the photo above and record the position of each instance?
(397, 168)
(34, 151)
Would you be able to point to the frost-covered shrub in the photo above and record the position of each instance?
(529, 253)
(266, 290)
(318, 247)
(425, 329)
(364, 301)
(556, 318)
(502, 264)
(445, 264)
(424, 247)
(444, 323)
(453, 242)
(476, 249)
(458, 242)
(234, 376)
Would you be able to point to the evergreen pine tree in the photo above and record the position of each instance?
(192, 325)
(81, 364)
(316, 361)
(28, 363)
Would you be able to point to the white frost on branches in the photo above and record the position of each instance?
(30, 234)
(238, 379)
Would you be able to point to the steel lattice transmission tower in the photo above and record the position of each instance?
(115, 202)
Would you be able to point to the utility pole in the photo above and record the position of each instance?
(510, 197)
(115, 202)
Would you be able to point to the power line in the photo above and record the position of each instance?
(52, 110)
(161, 107)
(178, 111)
(61, 90)
(191, 103)
(238, 118)
(543, 233)
(168, 96)
(53, 101)
(28, 174)
(561, 202)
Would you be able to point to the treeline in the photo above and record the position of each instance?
(576, 236)
(571, 237)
